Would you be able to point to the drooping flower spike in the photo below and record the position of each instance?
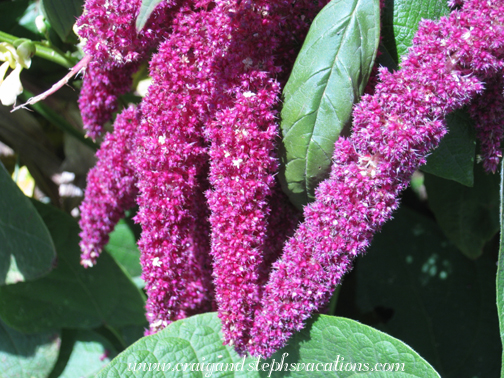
(110, 186)
(107, 28)
(393, 131)
(242, 136)
(172, 166)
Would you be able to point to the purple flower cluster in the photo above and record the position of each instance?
(110, 186)
(108, 29)
(198, 154)
(207, 129)
(172, 169)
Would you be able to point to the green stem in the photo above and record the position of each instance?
(43, 51)
(4, 37)
(52, 54)
(59, 121)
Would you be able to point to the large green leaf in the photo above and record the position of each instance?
(468, 216)
(417, 287)
(400, 22)
(62, 15)
(500, 271)
(27, 356)
(83, 354)
(322, 349)
(71, 296)
(123, 248)
(145, 12)
(27, 250)
(454, 158)
(329, 76)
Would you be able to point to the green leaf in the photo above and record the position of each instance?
(454, 158)
(400, 22)
(62, 15)
(123, 248)
(27, 356)
(145, 12)
(500, 270)
(83, 354)
(336, 341)
(468, 216)
(27, 250)
(329, 76)
(71, 296)
(196, 343)
(416, 286)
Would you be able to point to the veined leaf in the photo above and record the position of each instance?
(72, 296)
(400, 22)
(339, 347)
(329, 76)
(62, 15)
(26, 249)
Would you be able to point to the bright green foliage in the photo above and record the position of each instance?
(329, 76)
(195, 342)
(400, 22)
(72, 296)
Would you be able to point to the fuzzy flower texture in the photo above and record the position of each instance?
(197, 155)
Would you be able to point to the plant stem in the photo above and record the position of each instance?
(43, 51)
(52, 54)
(4, 37)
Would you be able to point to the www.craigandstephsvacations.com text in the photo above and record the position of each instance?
(211, 368)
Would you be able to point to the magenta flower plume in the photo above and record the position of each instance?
(171, 161)
(100, 90)
(108, 29)
(488, 112)
(241, 170)
(242, 140)
(393, 131)
(110, 187)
